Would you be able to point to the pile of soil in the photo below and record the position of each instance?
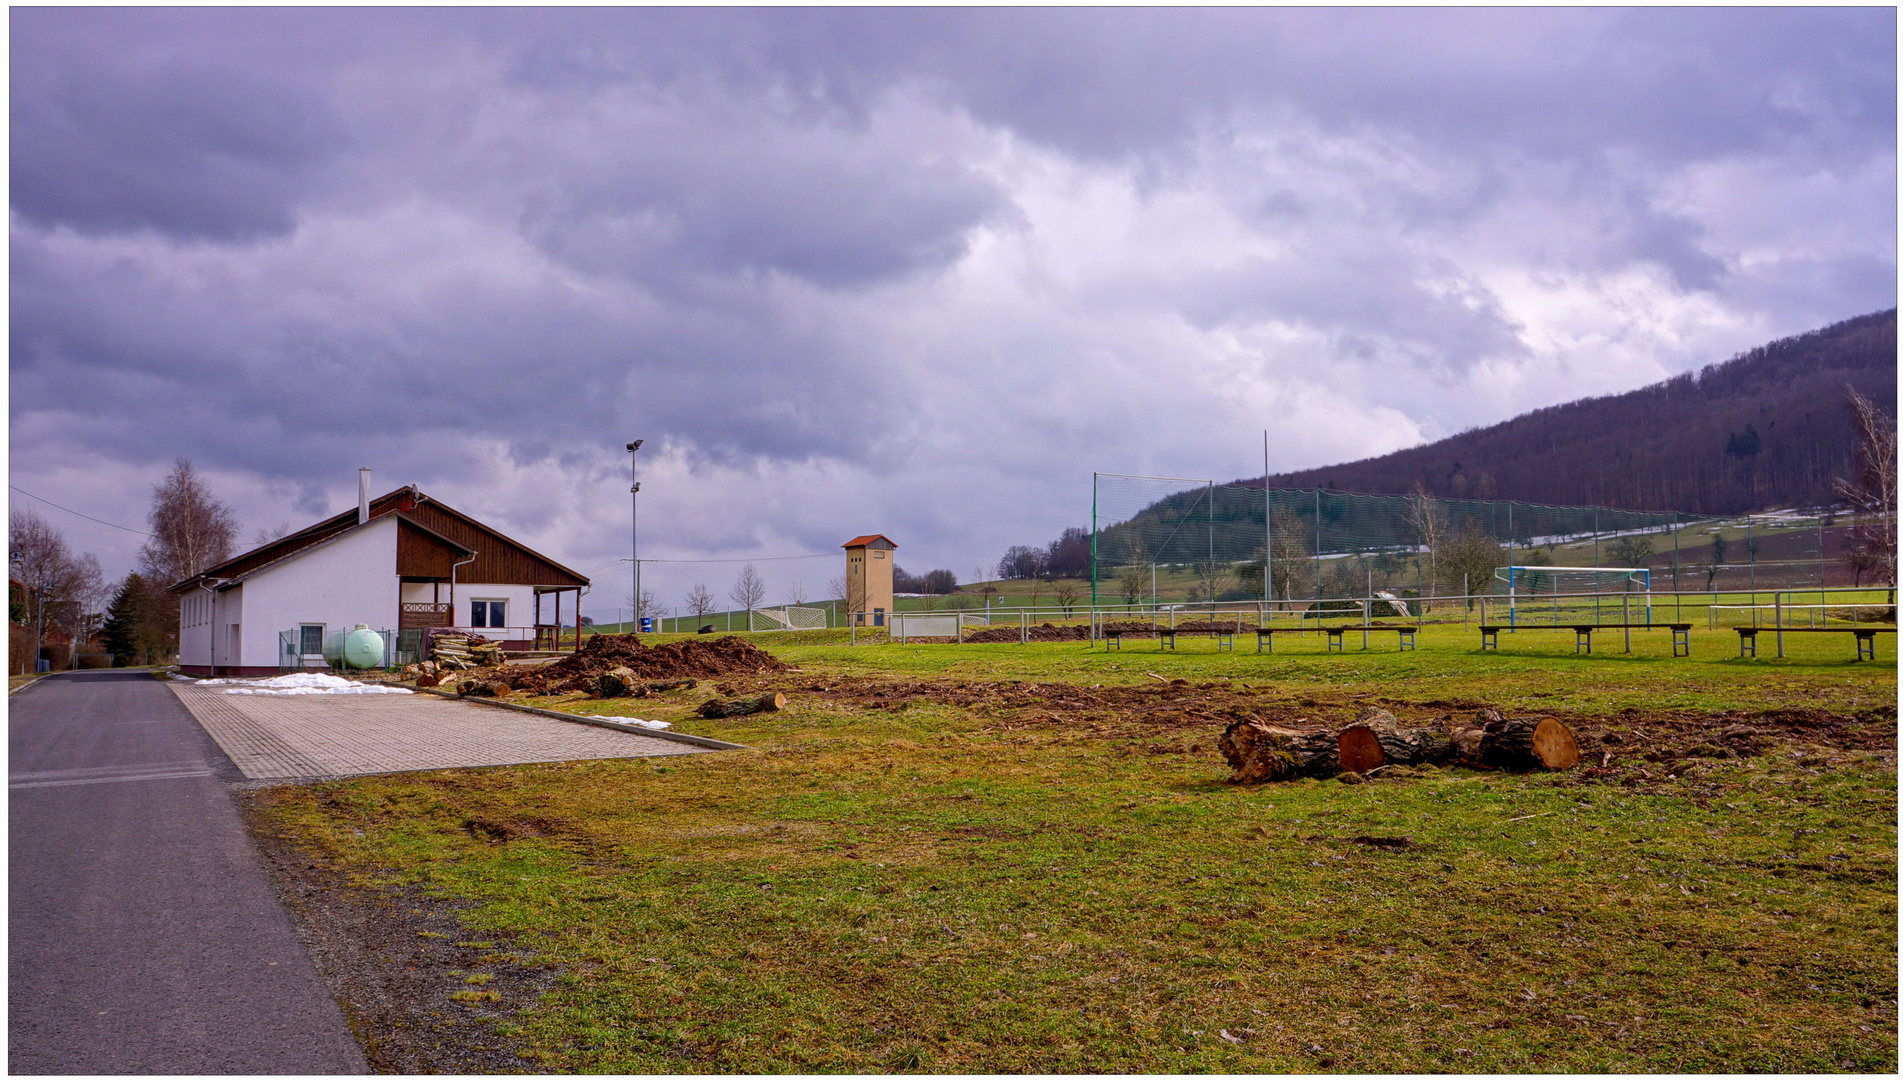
(697, 658)
(1045, 632)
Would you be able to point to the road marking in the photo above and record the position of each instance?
(108, 770)
(15, 783)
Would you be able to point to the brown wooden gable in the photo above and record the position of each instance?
(425, 554)
(499, 560)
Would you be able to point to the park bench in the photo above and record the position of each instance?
(1265, 635)
(1582, 635)
(1866, 637)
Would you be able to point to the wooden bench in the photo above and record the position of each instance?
(1582, 635)
(1166, 638)
(1265, 635)
(1404, 635)
(1866, 637)
(1225, 639)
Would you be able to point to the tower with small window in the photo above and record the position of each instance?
(869, 578)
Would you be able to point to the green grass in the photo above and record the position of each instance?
(894, 881)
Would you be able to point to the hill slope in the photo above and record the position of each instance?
(1763, 429)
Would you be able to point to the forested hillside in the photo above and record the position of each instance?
(1764, 429)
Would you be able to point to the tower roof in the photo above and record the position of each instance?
(872, 541)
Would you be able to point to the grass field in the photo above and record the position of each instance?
(1004, 858)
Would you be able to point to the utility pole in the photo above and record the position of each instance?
(634, 532)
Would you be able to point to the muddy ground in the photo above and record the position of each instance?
(392, 957)
(1633, 747)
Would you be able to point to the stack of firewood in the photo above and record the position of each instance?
(458, 652)
(1260, 752)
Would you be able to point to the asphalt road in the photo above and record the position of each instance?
(143, 934)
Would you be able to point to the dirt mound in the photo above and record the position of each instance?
(1045, 632)
(697, 658)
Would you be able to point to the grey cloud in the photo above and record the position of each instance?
(193, 148)
(290, 242)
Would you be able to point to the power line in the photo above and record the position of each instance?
(76, 513)
(765, 558)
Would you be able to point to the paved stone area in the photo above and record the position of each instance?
(319, 735)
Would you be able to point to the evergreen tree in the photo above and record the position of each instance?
(122, 632)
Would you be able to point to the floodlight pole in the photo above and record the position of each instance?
(1268, 529)
(634, 530)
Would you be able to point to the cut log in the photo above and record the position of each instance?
(426, 679)
(1259, 752)
(619, 682)
(716, 709)
(484, 688)
(1534, 742)
(1375, 739)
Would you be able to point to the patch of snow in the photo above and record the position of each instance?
(304, 683)
(657, 725)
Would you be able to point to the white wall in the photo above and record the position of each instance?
(195, 619)
(521, 600)
(340, 584)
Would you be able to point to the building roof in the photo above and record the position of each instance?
(499, 560)
(872, 541)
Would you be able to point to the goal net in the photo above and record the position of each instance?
(787, 618)
(1558, 594)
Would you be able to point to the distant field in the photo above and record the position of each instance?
(1005, 858)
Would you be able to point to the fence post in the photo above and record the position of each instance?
(1777, 604)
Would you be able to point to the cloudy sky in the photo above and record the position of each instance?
(918, 273)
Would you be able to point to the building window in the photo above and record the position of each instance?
(310, 639)
(489, 614)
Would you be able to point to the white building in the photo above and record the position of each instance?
(403, 561)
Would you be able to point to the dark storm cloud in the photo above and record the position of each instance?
(858, 244)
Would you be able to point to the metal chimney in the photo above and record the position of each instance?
(363, 495)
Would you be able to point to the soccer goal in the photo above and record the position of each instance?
(1556, 595)
(787, 618)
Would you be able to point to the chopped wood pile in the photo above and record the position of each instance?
(623, 682)
(717, 709)
(459, 652)
(1260, 752)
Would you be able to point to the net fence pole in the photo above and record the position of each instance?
(1093, 545)
(1268, 530)
(1318, 542)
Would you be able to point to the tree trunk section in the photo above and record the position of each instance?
(719, 710)
(1375, 740)
(1539, 742)
(1260, 753)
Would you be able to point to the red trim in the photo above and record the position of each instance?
(226, 671)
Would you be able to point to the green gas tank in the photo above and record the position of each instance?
(360, 648)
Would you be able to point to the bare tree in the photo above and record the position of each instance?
(51, 579)
(645, 604)
(86, 611)
(1472, 556)
(749, 588)
(700, 601)
(797, 594)
(1429, 520)
(265, 535)
(1871, 491)
(1066, 594)
(191, 531)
